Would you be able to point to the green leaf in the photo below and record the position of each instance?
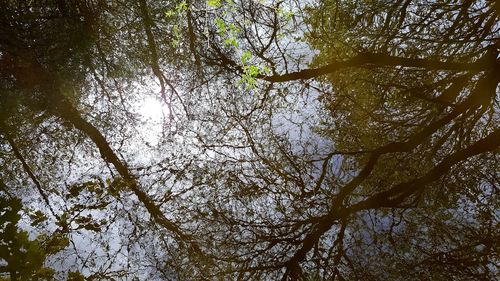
(37, 218)
(221, 26)
(183, 6)
(56, 243)
(246, 57)
(230, 42)
(214, 3)
(75, 276)
(170, 14)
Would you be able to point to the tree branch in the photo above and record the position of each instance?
(382, 60)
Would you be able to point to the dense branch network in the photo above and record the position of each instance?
(327, 140)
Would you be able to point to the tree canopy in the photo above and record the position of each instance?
(249, 140)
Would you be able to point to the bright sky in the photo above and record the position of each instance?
(152, 109)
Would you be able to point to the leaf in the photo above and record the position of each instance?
(221, 26)
(56, 243)
(170, 14)
(214, 3)
(183, 6)
(37, 218)
(246, 57)
(75, 276)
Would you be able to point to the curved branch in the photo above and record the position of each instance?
(382, 60)
(483, 91)
(402, 191)
(27, 169)
(65, 110)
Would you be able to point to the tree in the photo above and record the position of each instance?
(24, 258)
(331, 140)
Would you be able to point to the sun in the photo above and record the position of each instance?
(152, 109)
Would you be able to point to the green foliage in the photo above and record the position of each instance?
(75, 276)
(177, 35)
(227, 32)
(181, 7)
(246, 57)
(37, 218)
(286, 15)
(88, 223)
(214, 3)
(221, 26)
(54, 243)
(250, 72)
(176, 27)
(170, 13)
(248, 77)
(24, 258)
